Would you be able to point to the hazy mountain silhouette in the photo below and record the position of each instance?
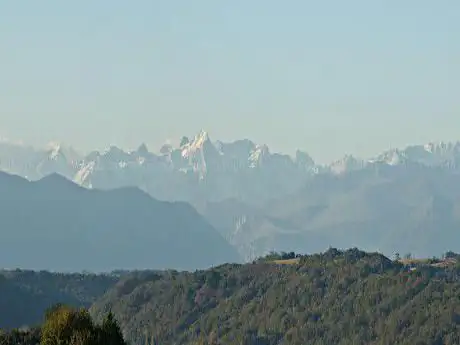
(55, 224)
(410, 208)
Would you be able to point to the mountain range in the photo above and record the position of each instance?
(402, 200)
(197, 171)
(201, 170)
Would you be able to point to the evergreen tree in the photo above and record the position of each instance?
(110, 331)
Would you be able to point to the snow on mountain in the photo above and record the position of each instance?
(391, 157)
(56, 151)
(199, 152)
(258, 156)
(439, 154)
(196, 145)
(201, 169)
(197, 169)
(57, 158)
(83, 176)
(346, 164)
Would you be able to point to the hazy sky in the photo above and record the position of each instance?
(328, 77)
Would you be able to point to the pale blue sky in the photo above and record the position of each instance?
(328, 77)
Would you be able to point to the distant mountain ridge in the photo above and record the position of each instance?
(55, 224)
(200, 170)
(406, 209)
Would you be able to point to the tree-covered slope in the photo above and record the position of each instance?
(337, 297)
(25, 295)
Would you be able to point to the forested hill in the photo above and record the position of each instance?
(349, 297)
(25, 295)
(338, 297)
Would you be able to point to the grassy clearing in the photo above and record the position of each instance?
(287, 262)
(440, 263)
(414, 261)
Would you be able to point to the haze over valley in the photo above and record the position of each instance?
(250, 201)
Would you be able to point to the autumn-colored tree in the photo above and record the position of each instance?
(63, 323)
(68, 326)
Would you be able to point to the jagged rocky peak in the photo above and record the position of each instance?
(56, 150)
(258, 155)
(53, 145)
(142, 150)
(199, 142)
(112, 149)
(239, 149)
(184, 141)
(202, 135)
(391, 157)
(442, 147)
(53, 149)
(433, 147)
(263, 149)
(114, 154)
(304, 159)
(347, 163)
(430, 154)
(92, 156)
(166, 149)
(200, 139)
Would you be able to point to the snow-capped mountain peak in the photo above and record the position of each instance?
(54, 150)
(429, 154)
(231, 168)
(196, 144)
(391, 157)
(258, 155)
(442, 147)
(114, 152)
(347, 163)
(57, 151)
(304, 159)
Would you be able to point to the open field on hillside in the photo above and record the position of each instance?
(414, 261)
(287, 262)
(431, 262)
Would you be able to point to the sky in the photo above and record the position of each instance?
(327, 77)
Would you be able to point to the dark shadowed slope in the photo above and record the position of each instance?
(25, 295)
(55, 224)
